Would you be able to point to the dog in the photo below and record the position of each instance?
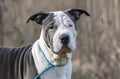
(50, 56)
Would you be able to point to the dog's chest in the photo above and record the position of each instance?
(63, 72)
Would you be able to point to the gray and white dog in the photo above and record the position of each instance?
(50, 56)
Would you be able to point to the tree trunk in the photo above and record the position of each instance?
(1, 25)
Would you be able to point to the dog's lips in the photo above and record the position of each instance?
(64, 50)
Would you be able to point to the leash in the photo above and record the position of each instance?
(50, 65)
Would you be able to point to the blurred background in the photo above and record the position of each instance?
(98, 43)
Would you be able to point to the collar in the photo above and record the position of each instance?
(48, 66)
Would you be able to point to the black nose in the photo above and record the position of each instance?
(64, 39)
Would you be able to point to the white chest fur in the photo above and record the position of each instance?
(63, 72)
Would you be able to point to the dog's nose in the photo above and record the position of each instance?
(64, 39)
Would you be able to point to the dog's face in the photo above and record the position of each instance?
(59, 28)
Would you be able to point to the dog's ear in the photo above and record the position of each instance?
(76, 13)
(38, 17)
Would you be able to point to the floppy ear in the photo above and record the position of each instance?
(38, 17)
(76, 13)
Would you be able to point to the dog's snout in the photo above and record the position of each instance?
(64, 39)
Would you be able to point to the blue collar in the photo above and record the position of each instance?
(49, 66)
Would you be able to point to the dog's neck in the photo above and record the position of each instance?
(53, 58)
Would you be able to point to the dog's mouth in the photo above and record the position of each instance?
(64, 49)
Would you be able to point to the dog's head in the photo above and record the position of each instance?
(59, 28)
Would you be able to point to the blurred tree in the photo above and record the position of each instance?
(1, 24)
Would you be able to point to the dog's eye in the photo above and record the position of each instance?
(51, 27)
(70, 25)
